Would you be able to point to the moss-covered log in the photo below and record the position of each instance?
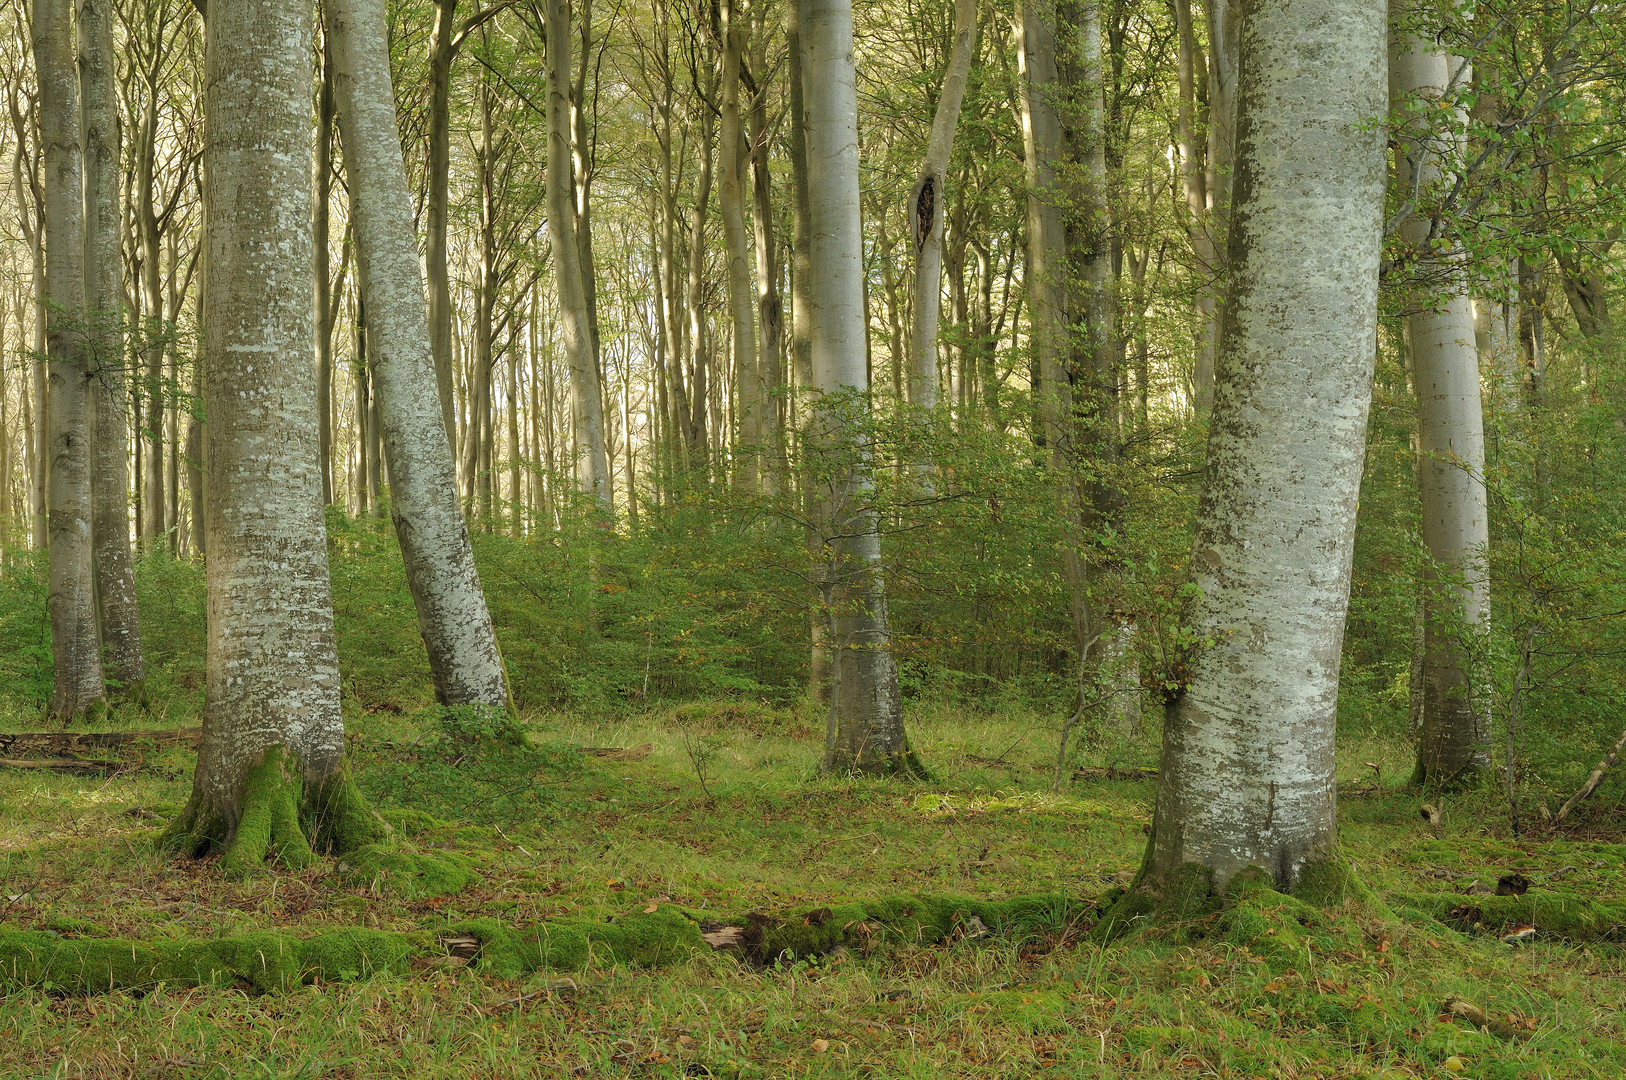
(1553, 914)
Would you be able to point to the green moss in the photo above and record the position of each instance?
(339, 819)
(909, 919)
(280, 819)
(269, 825)
(412, 875)
(1186, 895)
(1330, 883)
(1555, 914)
(269, 962)
(644, 939)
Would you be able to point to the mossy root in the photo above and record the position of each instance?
(280, 818)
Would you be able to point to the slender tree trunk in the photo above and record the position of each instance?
(699, 343)
(1089, 451)
(104, 307)
(1247, 766)
(75, 644)
(738, 254)
(587, 409)
(1454, 740)
(442, 51)
(1224, 26)
(363, 403)
(770, 328)
(151, 503)
(30, 219)
(272, 751)
(1045, 267)
(928, 203)
(323, 167)
(866, 731)
(801, 342)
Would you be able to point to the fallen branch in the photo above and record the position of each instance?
(619, 753)
(75, 742)
(1592, 781)
(1115, 772)
(1476, 1016)
(62, 765)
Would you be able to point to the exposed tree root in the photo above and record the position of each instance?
(280, 819)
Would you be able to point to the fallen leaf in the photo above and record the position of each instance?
(820, 1045)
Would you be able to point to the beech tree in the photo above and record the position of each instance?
(1453, 741)
(1246, 774)
(434, 537)
(865, 731)
(270, 776)
(75, 644)
(104, 324)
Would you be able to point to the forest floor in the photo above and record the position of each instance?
(726, 813)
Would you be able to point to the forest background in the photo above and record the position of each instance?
(703, 589)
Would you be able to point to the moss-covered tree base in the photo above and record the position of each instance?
(1188, 904)
(904, 765)
(280, 819)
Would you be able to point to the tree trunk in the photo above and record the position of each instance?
(738, 255)
(442, 51)
(1045, 269)
(801, 339)
(1247, 767)
(272, 751)
(1454, 739)
(75, 645)
(323, 167)
(151, 469)
(587, 402)
(104, 307)
(866, 731)
(769, 314)
(928, 203)
(1224, 29)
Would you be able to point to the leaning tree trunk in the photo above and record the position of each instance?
(928, 204)
(1453, 740)
(587, 400)
(1247, 767)
(452, 614)
(270, 775)
(75, 647)
(104, 295)
(866, 713)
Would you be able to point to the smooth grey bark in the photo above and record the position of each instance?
(865, 732)
(1088, 455)
(801, 337)
(273, 674)
(928, 204)
(322, 168)
(770, 319)
(1044, 272)
(104, 308)
(443, 46)
(1453, 740)
(1246, 777)
(1224, 25)
(587, 401)
(738, 255)
(452, 613)
(75, 644)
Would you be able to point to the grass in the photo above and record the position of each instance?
(555, 833)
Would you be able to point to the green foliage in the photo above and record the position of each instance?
(470, 764)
